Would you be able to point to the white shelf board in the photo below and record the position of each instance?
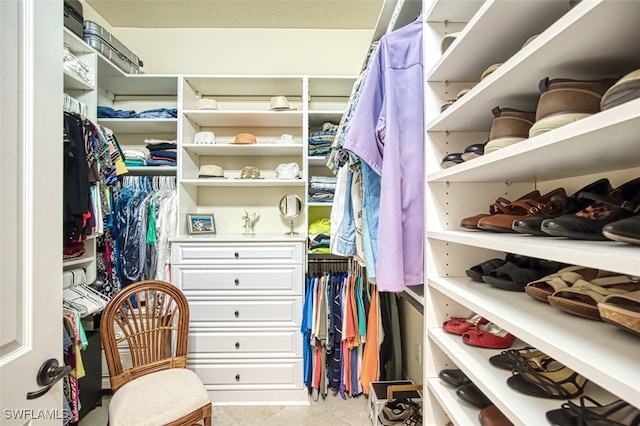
(330, 86)
(257, 149)
(245, 118)
(73, 82)
(140, 125)
(75, 43)
(452, 11)
(318, 118)
(242, 182)
(317, 161)
(515, 83)
(460, 412)
(598, 143)
(315, 204)
(235, 237)
(77, 261)
(607, 255)
(395, 14)
(574, 341)
(152, 170)
(520, 20)
(151, 85)
(233, 85)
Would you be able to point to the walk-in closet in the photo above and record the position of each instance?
(380, 212)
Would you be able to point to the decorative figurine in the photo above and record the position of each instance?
(250, 220)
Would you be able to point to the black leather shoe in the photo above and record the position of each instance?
(474, 396)
(621, 203)
(451, 160)
(473, 151)
(626, 231)
(567, 206)
(454, 377)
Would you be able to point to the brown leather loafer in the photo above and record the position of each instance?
(491, 416)
(501, 205)
(521, 209)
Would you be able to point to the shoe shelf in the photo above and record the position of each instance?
(605, 255)
(453, 11)
(140, 125)
(515, 83)
(591, 40)
(599, 351)
(598, 143)
(457, 410)
(521, 409)
(466, 58)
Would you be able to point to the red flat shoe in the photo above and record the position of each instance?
(459, 326)
(488, 336)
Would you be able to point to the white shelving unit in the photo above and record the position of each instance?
(592, 40)
(327, 102)
(84, 92)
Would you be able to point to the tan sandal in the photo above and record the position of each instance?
(565, 277)
(583, 297)
(622, 310)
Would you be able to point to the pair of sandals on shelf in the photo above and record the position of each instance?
(586, 292)
(536, 374)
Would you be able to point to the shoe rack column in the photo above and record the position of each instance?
(493, 32)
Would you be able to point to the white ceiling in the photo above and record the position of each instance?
(298, 14)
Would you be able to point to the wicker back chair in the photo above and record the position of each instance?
(151, 320)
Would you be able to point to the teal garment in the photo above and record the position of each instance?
(362, 321)
(84, 342)
(151, 228)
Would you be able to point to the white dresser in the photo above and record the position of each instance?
(246, 297)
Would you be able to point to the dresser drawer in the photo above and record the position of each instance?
(254, 374)
(245, 344)
(264, 312)
(240, 280)
(231, 253)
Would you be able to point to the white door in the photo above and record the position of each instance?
(30, 208)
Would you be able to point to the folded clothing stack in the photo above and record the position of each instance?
(135, 158)
(162, 152)
(320, 140)
(321, 189)
(108, 112)
(319, 236)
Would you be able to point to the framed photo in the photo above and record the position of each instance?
(200, 223)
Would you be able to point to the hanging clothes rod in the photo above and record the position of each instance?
(328, 260)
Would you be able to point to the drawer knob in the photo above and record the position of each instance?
(237, 314)
(237, 345)
(237, 377)
(237, 281)
(236, 254)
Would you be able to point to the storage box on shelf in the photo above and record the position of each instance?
(570, 157)
(243, 107)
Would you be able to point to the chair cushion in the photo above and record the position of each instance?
(157, 398)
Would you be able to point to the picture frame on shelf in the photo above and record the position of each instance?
(200, 223)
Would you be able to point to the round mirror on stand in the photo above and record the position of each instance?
(290, 207)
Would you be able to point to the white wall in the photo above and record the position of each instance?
(243, 51)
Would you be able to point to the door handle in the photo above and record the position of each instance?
(49, 374)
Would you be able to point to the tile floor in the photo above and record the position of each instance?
(333, 411)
